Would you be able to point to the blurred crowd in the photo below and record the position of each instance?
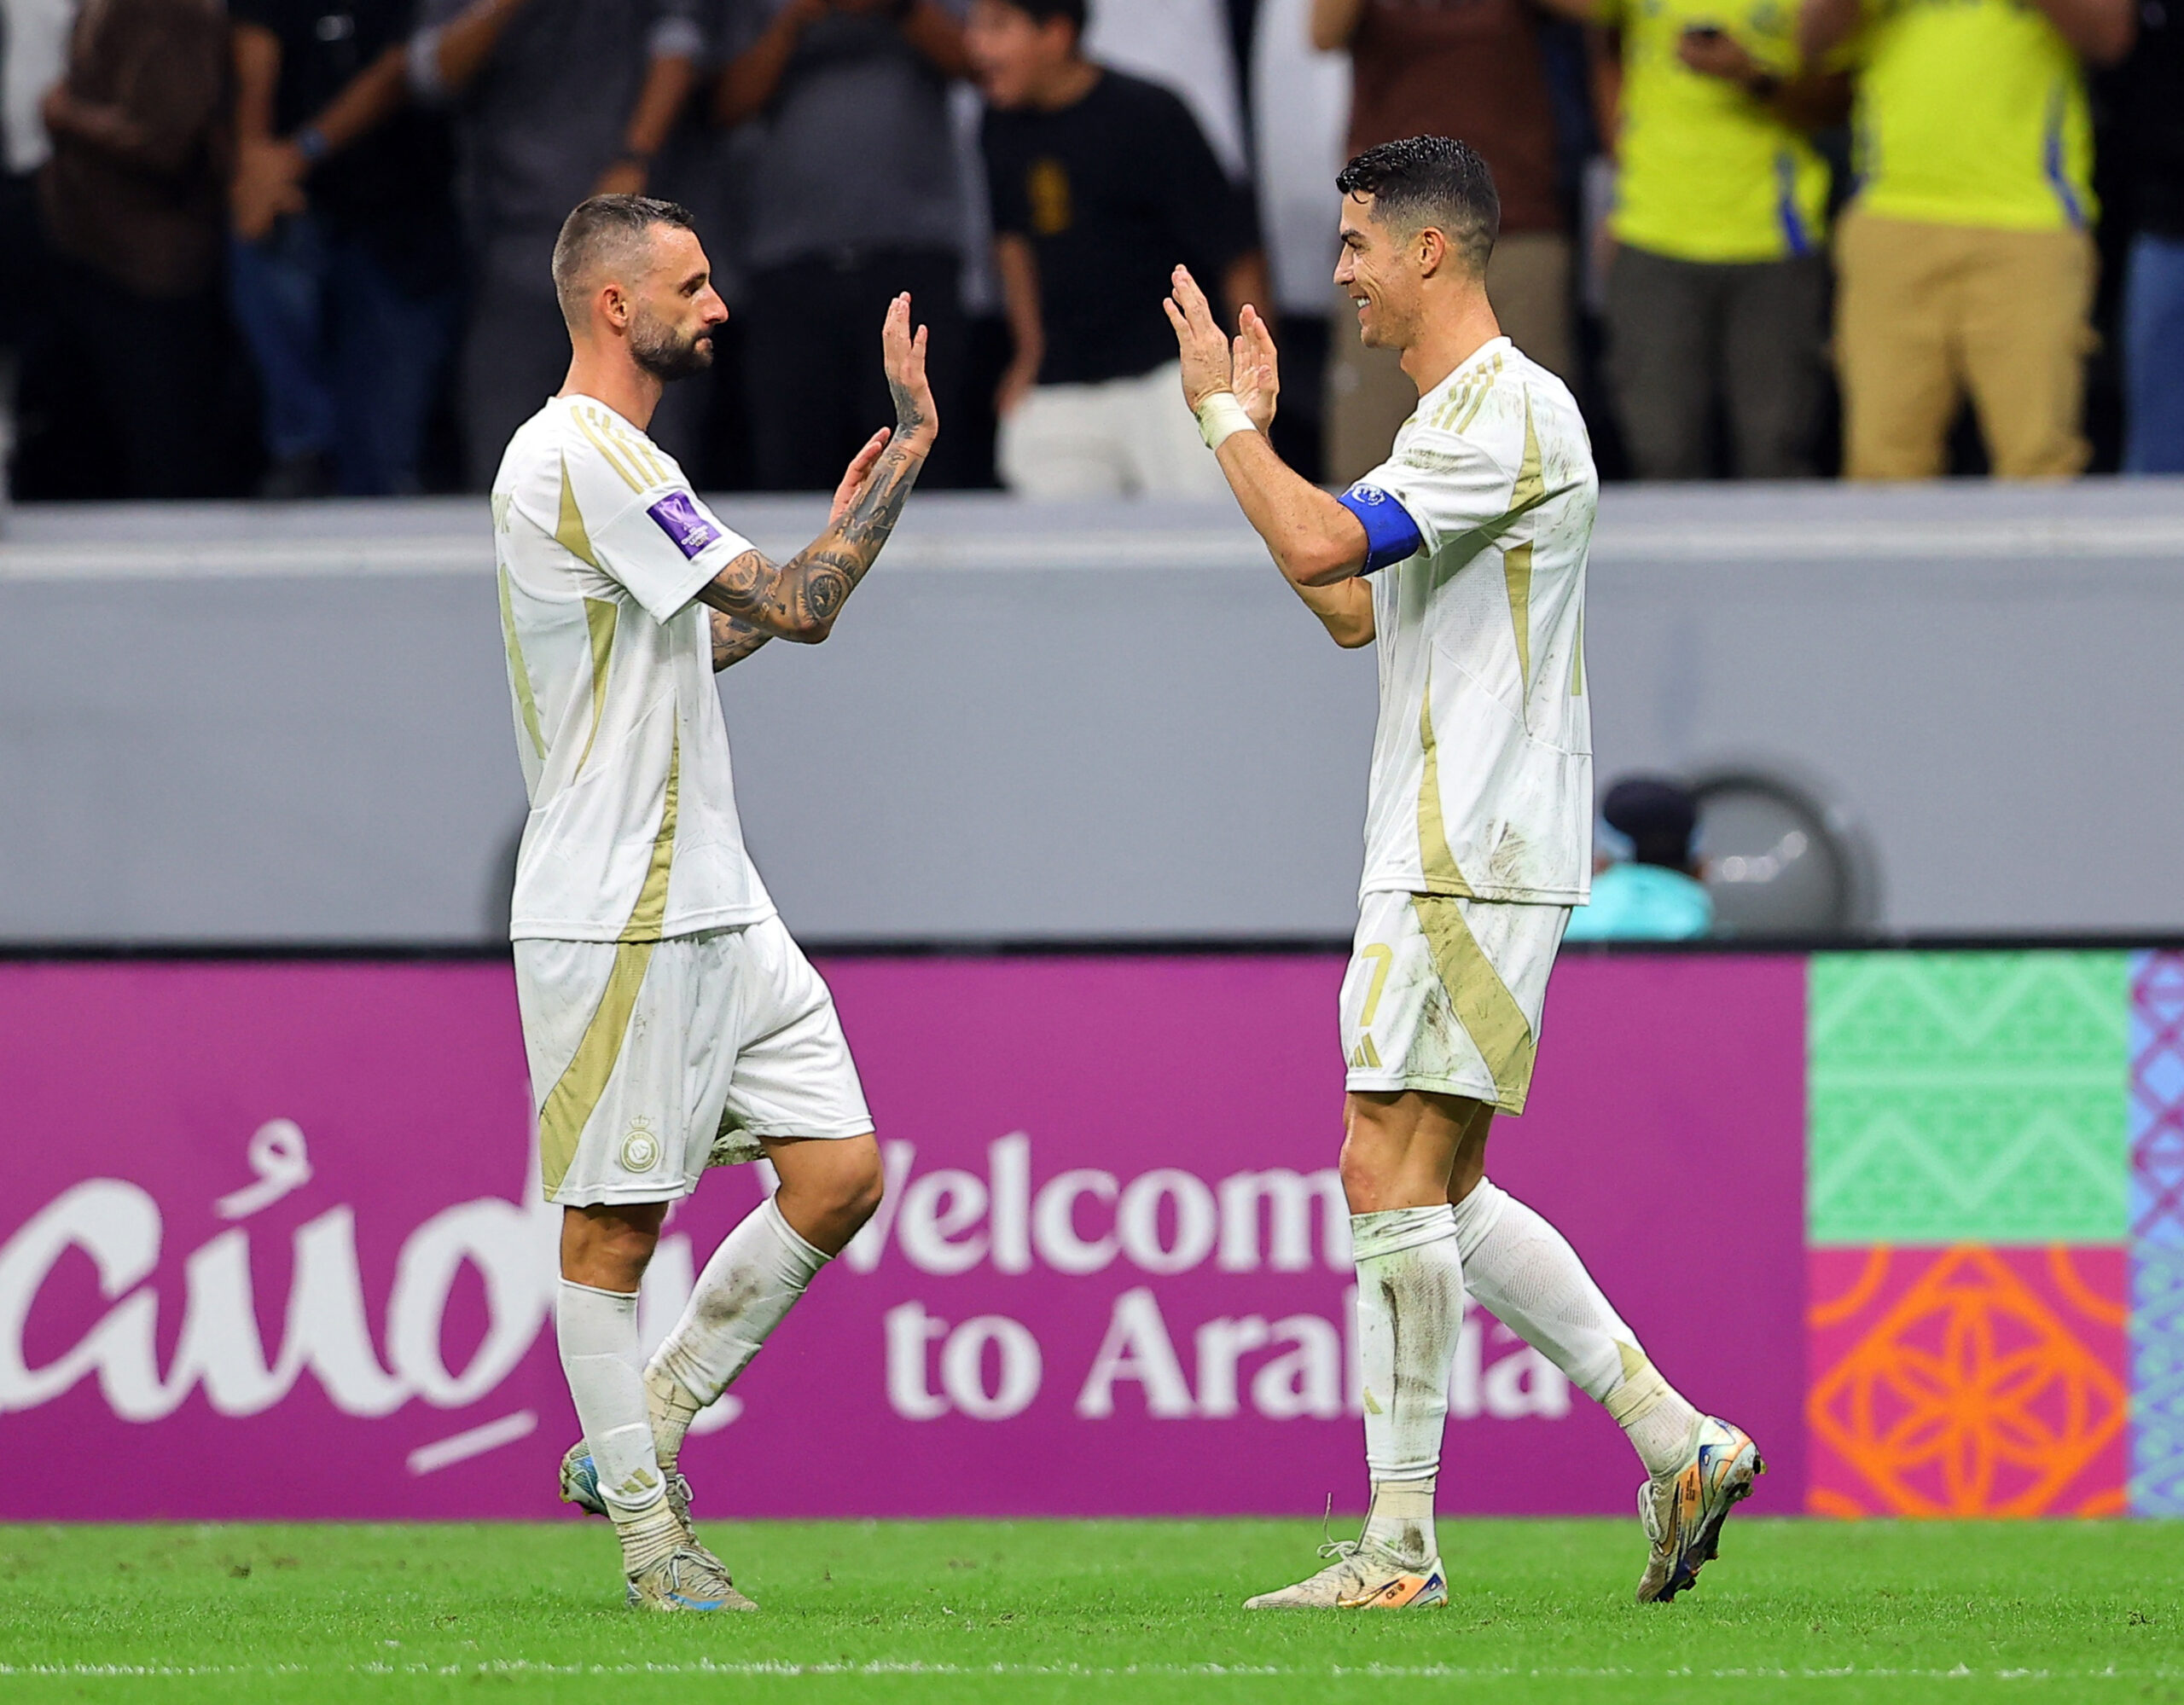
(298, 248)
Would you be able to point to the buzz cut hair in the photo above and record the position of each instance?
(1431, 181)
(604, 234)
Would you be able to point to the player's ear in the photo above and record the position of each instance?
(1431, 249)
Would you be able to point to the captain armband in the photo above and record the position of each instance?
(1390, 534)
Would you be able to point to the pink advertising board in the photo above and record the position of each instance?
(268, 1249)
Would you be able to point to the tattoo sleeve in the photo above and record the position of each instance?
(799, 600)
(733, 640)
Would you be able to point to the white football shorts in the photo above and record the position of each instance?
(1444, 994)
(652, 1060)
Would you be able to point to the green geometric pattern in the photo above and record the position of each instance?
(1966, 1098)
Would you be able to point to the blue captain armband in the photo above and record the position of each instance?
(1390, 533)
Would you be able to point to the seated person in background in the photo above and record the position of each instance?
(1656, 895)
(1100, 184)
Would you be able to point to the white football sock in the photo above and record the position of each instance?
(601, 1354)
(752, 1280)
(1410, 1312)
(1524, 1271)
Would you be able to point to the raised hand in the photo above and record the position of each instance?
(1255, 371)
(917, 421)
(1198, 337)
(860, 470)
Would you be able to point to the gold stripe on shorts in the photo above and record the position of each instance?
(1484, 1005)
(575, 1095)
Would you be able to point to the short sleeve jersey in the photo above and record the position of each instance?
(1482, 765)
(601, 548)
(1704, 173)
(1971, 112)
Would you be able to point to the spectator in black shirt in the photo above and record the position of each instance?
(1100, 184)
(345, 262)
(2153, 90)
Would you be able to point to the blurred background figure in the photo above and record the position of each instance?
(1716, 294)
(2151, 97)
(1654, 894)
(855, 197)
(1476, 70)
(132, 197)
(345, 265)
(1101, 182)
(33, 54)
(554, 100)
(1966, 263)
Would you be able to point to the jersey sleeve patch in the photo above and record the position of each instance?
(688, 527)
(1390, 534)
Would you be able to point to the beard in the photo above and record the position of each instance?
(667, 353)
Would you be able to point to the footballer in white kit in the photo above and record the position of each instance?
(670, 1021)
(1463, 556)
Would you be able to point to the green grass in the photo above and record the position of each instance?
(1131, 1611)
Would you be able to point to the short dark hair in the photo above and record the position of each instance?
(1046, 11)
(1658, 813)
(1435, 181)
(605, 231)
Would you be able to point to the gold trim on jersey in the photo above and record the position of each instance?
(1527, 494)
(569, 530)
(519, 672)
(651, 909)
(599, 615)
(1478, 399)
(1484, 1005)
(1578, 658)
(592, 431)
(616, 442)
(1436, 862)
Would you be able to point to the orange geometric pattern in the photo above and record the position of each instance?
(1970, 1381)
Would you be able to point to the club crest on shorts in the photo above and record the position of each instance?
(640, 1148)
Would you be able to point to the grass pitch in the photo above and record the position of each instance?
(1140, 1611)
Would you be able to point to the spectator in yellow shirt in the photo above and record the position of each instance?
(1966, 265)
(1716, 295)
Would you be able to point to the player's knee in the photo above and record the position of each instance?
(1364, 1175)
(609, 1246)
(861, 1185)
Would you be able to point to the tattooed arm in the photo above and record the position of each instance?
(799, 600)
(733, 640)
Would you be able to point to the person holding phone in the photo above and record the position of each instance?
(1716, 289)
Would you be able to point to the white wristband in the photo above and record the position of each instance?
(1221, 416)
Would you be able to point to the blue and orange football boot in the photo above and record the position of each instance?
(1362, 1576)
(1683, 1512)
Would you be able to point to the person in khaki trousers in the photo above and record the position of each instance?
(1965, 266)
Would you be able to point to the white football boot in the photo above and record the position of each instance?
(1362, 1577)
(1683, 1512)
(689, 1578)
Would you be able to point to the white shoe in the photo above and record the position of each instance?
(1683, 1512)
(689, 1578)
(1362, 1577)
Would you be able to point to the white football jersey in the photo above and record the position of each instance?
(602, 547)
(1482, 765)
